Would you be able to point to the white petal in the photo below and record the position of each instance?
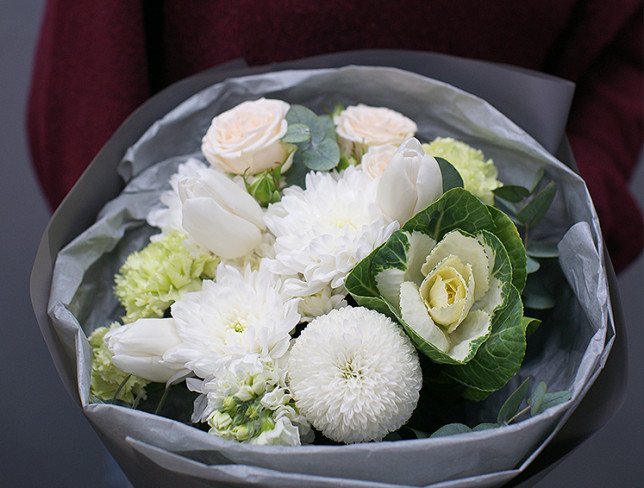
(429, 183)
(476, 325)
(415, 314)
(232, 197)
(221, 232)
(469, 250)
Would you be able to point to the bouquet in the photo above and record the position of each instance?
(327, 266)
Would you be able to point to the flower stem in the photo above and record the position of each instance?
(120, 387)
(518, 414)
(162, 401)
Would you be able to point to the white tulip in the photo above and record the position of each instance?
(137, 348)
(220, 215)
(411, 182)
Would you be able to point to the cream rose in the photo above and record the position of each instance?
(376, 159)
(359, 127)
(246, 138)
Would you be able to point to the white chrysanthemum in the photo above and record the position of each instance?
(248, 401)
(324, 231)
(169, 217)
(355, 375)
(243, 312)
(322, 302)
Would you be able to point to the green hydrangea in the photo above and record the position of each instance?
(106, 378)
(154, 278)
(479, 175)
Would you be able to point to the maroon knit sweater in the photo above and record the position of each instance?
(97, 61)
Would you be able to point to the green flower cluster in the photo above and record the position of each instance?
(154, 278)
(241, 420)
(479, 175)
(107, 378)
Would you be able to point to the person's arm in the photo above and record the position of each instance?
(606, 132)
(90, 74)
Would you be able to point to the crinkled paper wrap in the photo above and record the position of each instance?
(567, 352)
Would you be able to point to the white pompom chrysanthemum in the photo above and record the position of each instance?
(324, 231)
(355, 375)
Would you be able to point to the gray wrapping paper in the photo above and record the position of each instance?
(567, 352)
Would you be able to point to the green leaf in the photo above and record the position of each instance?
(513, 404)
(537, 179)
(511, 193)
(500, 356)
(297, 133)
(536, 295)
(538, 206)
(538, 249)
(418, 434)
(508, 234)
(536, 399)
(321, 155)
(553, 399)
(532, 265)
(486, 426)
(451, 177)
(300, 115)
(530, 324)
(456, 209)
(319, 152)
(508, 208)
(450, 429)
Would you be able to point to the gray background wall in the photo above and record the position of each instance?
(45, 440)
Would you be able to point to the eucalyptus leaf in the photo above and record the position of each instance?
(554, 398)
(536, 295)
(506, 207)
(451, 177)
(320, 151)
(450, 429)
(532, 265)
(537, 397)
(300, 115)
(486, 426)
(538, 206)
(418, 434)
(511, 193)
(321, 155)
(537, 179)
(297, 133)
(539, 249)
(512, 405)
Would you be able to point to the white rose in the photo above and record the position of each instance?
(220, 215)
(246, 138)
(137, 348)
(376, 159)
(411, 182)
(359, 127)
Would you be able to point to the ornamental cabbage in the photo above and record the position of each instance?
(452, 277)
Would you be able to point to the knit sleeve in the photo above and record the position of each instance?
(90, 73)
(605, 131)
